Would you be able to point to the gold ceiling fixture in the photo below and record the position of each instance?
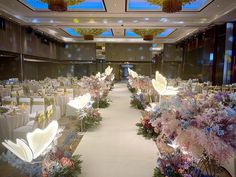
(89, 33)
(148, 34)
(60, 5)
(170, 6)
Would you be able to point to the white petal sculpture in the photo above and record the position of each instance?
(108, 71)
(98, 75)
(159, 83)
(38, 141)
(80, 102)
(132, 73)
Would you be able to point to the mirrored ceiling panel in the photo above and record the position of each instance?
(166, 33)
(144, 5)
(72, 32)
(87, 5)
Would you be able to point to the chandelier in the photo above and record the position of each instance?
(89, 33)
(148, 34)
(60, 5)
(170, 6)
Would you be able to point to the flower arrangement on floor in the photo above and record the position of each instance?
(137, 101)
(142, 91)
(98, 87)
(201, 126)
(101, 103)
(60, 163)
(49, 160)
(92, 118)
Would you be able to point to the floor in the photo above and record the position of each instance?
(114, 149)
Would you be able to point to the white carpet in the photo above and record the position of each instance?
(114, 149)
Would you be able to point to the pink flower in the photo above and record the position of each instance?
(66, 162)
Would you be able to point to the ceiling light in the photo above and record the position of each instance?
(156, 48)
(35, 20)
(75, 20)
(92, 21)
(163, 20)
(51, 21)
(135, 21)
(120, 21)
(146, 19)
(105, 21)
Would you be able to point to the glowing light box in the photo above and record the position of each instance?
(143, 5)
(72, 32)
(166, 33)
(87, 5)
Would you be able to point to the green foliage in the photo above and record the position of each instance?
(136, 104)
(73, 171)
(101, 104)
(148, 133)
(132, 90)
(89, 122)
(157, 173)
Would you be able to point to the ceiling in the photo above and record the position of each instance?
(118, 18)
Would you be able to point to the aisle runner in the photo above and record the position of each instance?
(114, 149)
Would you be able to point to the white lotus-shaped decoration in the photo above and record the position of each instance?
(112, 77)
(108, 71)
(132, 73)
(98, 75)
(38, 141)
(80, 102)
(160, 85)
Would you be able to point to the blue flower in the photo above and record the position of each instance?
(220, 132)
(230, 127)
(230, 112)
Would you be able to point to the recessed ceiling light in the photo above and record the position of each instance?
(120, 21)
(35, 20)
(135, 21)
(51, 21)
(146, 19)
(163, 19)
(92, 21)
(105, 21)
(75, 20)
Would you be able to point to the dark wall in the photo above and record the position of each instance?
(78, 51)
(202, 56)
(10, 67)
(25, 40)
(128, 52)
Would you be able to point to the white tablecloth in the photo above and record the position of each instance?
(61, 101)
(5, 92)
(8, 122)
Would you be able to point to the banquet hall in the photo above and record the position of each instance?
(118, 88)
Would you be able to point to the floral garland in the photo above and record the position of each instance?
(160, 2)
(143, 32)
(69, 2)
(88, 31)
